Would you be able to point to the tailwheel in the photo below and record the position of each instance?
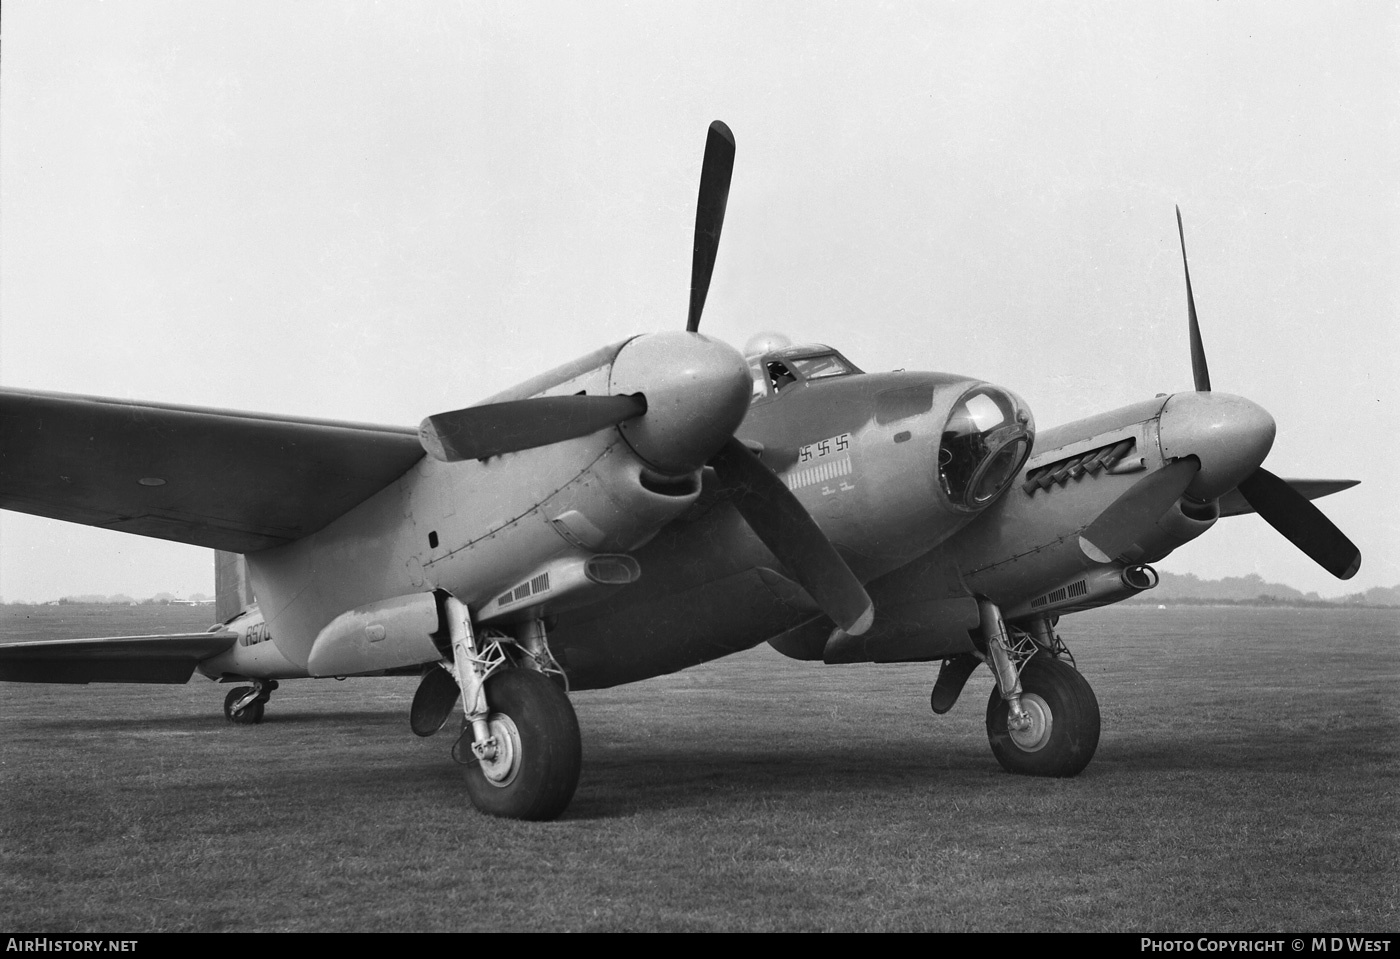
(529, 767)
(1064, 721)
(242, 707)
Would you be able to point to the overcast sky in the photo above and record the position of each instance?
(379, 211)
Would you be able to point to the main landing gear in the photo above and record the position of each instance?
(1042, 716)
(243, 706)
(520, 740)
(528, 766)
(1060, 731)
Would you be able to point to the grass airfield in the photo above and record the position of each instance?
(1246, 780)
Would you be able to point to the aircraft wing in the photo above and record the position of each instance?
(1234, 504)
(225, 480)
(119, 659)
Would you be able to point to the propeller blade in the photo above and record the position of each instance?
(1302, 523)
(1198, 350)
(477, 432)
(715, 174)
(789, 531)
(1117, 528)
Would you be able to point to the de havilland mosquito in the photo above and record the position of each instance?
(658, 503)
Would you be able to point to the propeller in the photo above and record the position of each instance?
(764, 501)
(790, 533)
(1281, 506)
(715, 174)
(770, 509)
(1198, 351)
(1302, 523)
(477, 432)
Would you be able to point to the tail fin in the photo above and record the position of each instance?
(232, 591)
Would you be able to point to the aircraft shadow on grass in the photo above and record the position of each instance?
(624, 779)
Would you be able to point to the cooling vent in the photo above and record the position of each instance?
(1078, 588)
(1074, 467)
(540, 584)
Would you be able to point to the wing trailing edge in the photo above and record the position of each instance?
(1233, 503)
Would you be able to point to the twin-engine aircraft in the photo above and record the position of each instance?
(658, 503)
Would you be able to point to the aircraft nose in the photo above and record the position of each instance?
(697, 391)
(1229, 435)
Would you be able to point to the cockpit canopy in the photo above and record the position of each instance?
(985, 441)
(775, 371)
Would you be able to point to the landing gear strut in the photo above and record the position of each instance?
(1042, 717)
(243, 706)
(520, 740)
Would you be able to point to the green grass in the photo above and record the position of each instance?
(1246, 781)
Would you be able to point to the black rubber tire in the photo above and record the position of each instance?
(1066, 698)
(550, 749)
(249, 715)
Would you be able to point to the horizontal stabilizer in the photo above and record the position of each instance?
(119, 659)
(1233, 503)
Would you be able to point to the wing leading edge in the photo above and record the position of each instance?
(119, 659)
(222, 479)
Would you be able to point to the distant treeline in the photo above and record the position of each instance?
(1346, 602)
(1184, 589)
(1189, 590)
(198, 599)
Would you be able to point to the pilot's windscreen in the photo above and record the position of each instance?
(779, 374)
(816, 367)
(760, 379)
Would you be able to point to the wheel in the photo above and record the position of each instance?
(539, 750)
(1064, 714)
(249, 715)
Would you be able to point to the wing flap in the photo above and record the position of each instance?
(118, 659)
(1233, 503)
(222, 479)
